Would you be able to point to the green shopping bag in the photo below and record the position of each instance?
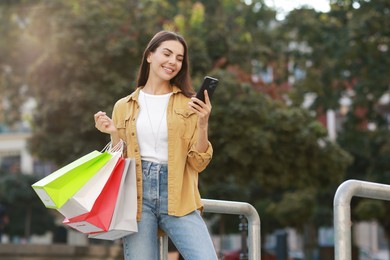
(55, 189)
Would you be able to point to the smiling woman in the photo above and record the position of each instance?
(166, 130)
(165, 63)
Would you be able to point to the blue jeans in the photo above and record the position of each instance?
(189, 233)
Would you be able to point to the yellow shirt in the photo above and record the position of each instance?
(184, 162)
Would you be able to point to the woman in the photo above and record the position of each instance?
(166, 130)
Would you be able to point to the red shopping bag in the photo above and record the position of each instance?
(124, 218)
(99, 218)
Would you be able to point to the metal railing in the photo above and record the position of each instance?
(230, 207)
(342, 211)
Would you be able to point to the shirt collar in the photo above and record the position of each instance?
(135, 94)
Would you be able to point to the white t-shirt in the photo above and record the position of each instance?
(152, 130)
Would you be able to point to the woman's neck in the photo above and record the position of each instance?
(157, 87)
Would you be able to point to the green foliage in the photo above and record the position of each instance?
(78, 57)
(88, 53)
(347, 56)
(27, 214)
(86, 64)
(293, 207)
(266, 149)
(370, 209)
(371, 152)
(13, 89)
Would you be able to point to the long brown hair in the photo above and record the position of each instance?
(183, 78)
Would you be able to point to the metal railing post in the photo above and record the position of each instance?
(243, 228)
(240, 208)
(236, 208)
(163, 243)
(342, 211)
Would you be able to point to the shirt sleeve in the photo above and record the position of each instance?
(197, 160)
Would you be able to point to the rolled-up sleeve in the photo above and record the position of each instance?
(199, 161)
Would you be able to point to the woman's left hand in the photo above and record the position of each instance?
(202, 109)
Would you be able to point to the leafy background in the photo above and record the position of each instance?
(74, 58)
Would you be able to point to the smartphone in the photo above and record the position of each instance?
(208, 84)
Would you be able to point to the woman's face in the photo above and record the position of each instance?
(166, 61)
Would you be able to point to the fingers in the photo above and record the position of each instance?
(102, 121)
(98, 115)
(199, 104)
(201, 108)
(207, 98)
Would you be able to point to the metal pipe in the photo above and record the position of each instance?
(237, 208)
(163, 244)
(240, 208)
(342, 211)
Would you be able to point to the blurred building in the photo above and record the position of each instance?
(14, 155)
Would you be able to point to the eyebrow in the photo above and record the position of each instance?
(166, 49)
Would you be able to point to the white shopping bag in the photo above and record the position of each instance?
(83, 200)
(98, 219)
(124, 219)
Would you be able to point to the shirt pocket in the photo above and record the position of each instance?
(120, 124)
(185, 122)
(123, 126)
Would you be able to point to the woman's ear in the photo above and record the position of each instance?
(149, 59)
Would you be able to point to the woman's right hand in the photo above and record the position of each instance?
(104, 124)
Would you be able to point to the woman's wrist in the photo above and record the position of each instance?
(115, 139)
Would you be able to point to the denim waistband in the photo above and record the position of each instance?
(150, 164)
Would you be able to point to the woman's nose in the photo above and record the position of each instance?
(172, 60)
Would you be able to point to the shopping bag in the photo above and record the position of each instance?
(99, 218)
(124, 219)
(82, 201)
(55, 189)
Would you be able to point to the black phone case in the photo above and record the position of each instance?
(208, 84)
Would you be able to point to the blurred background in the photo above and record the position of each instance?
(303, 104)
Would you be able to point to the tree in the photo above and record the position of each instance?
(87, 57)
(346, 60)
(275, 157)
(88, 49)
(15, 55)
(27, 214)
(90, 53)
